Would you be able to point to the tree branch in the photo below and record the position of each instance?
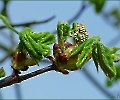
(13, 78)
(30, 23)
(93, 80)
(3, 47)
(9, 54)
(82, 8)
(18, 92)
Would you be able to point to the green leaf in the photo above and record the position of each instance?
(114, 12)
(109, 82)
(84, 57)
(77, 49)
(2, 72)
(115, 56)
(118, 71)
(87, 51)
(40, 37)
(99, 4)
(30, 45)
(114, 50)
(63, 31)
(106, 61)
(84, 44)
(44, 38)
(117, 77)
(95, 58)
(36, 44)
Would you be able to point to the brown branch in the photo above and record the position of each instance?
(30, 23)
(13, 78)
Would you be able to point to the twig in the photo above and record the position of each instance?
(18, 92)
(93, 80)
(1, 96)
(83, 6)
(3, 47)
(10, 53)
(12, 79)
(30, 23)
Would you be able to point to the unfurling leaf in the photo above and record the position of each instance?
(106, 61)
(86, 53)
(95, 58)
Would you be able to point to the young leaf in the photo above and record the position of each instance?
(84, 57)
(47, 38)
(95, 57)
(34, 49)
(2, 72)
(106, 61)
(114, 50)
(84, 44)
(77, 49)
(115, 56)
(63, 31)
(43, 37)
(86, 52)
